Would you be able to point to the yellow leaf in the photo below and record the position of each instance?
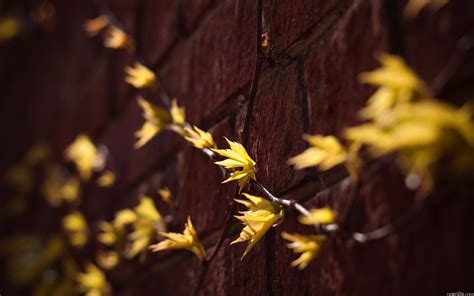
(107, 179)
(108, 235)
(433, 138)
(188, 240)
(422, 133)
(325, 152)
(444, 116)
(96, 25)
(146, 133)
(177, 113)
(93, 281)
(319, 216)
(199, 138)
(70, 190)
(379, 103)
(166, 196)
(140, 76)
(117, 38)
(368, 134)
(398, 85)
(410, 135)
(9, 27)
(147, 209)
(156, 119)
(260, 216)
(237, 157)
(76, 227)
(124, 217)
(307, 245)
(21, 177)
(113, 233)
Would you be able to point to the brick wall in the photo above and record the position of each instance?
(57, 83)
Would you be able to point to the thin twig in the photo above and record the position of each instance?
(293, 204)
(395, 226)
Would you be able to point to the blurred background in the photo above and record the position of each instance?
(63, 82)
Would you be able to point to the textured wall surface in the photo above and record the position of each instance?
(58, 83)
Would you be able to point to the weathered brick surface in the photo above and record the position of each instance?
(331, 68)
(131, 163)
(200, 180)
(440, 33)
(124, 11)
(192, 12)
(203, 72)
(288, 21)
(345, 267)
(95, 105)
(185, 270)
(160, 28)
(56, 94)
(277, 127)
(231, 275)
(227, 275)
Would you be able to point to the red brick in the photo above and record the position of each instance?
(203, 71)
(345, 267)
(94, 109)
(130, 163)
(438, 33)
(201, 191)
(185, 271)
(160, 28)
(230, 275)
(287, 21)
(331, 68)
(277, 127)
